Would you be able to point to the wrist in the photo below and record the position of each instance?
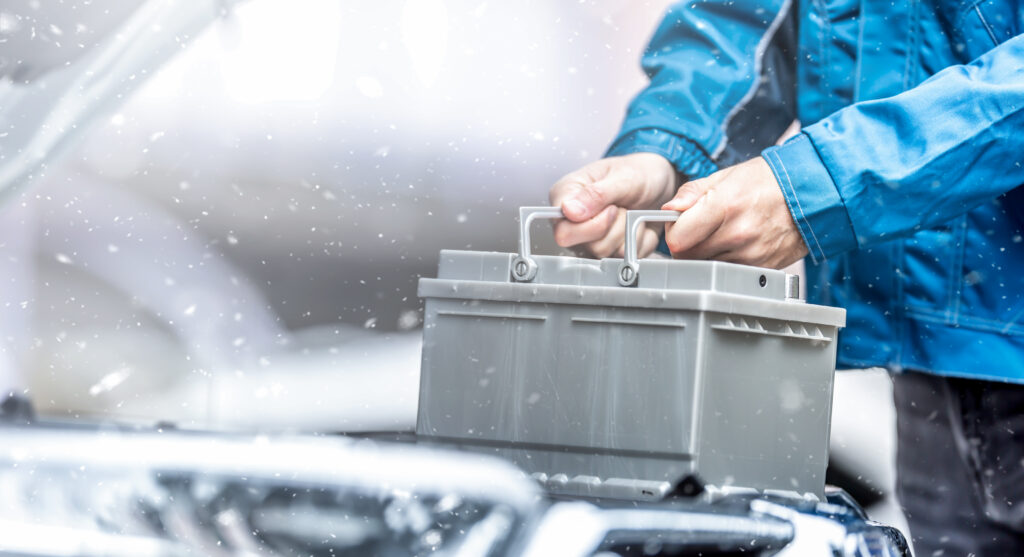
(814, 202)
(659, 177)
(687, 159)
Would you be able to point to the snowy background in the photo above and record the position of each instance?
(237, 245)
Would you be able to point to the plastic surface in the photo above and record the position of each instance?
(702, 368)
(524, 268)
(630, 263)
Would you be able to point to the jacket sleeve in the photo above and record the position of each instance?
(881, 169)
(722, 84)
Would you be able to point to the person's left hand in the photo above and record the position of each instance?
(737, 214)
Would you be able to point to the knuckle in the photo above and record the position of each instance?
(596, 194)
(600, 249)
(564, 187)
(691, 188)
(562, 234)
(713, 201)
(612, 217)
(561, 190)
(648, 242)
(674, 245)
(744, 234)
(560, 185)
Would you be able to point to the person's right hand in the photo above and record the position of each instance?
(594, 200)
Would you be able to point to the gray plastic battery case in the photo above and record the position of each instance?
(612, 383)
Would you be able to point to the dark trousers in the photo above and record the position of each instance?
(960, 464)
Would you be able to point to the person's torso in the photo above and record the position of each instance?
(909, 298)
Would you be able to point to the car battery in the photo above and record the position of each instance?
(622, 377)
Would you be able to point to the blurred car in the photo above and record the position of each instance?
(73, 490)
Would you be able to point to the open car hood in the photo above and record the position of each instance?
(72, 64)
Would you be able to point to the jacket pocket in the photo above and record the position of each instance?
(991, 291)
(929, 276)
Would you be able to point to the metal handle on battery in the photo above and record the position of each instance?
(524, 268)
(630, 268)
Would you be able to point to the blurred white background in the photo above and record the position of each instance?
(279, 186)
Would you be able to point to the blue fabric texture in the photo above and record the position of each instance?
(905, 179)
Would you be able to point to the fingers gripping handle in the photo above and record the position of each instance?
(524, 268)
(630, 267)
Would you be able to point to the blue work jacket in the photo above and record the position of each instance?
(904, 179)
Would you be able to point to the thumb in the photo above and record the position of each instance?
(687, 195)
(583, 194)
(582, 201)
(573, 196)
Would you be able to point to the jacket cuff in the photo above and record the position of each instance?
(812, 197)
(689, 159)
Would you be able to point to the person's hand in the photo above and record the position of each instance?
(737, 214)
(594, 200)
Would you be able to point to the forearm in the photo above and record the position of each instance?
(920, 158)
